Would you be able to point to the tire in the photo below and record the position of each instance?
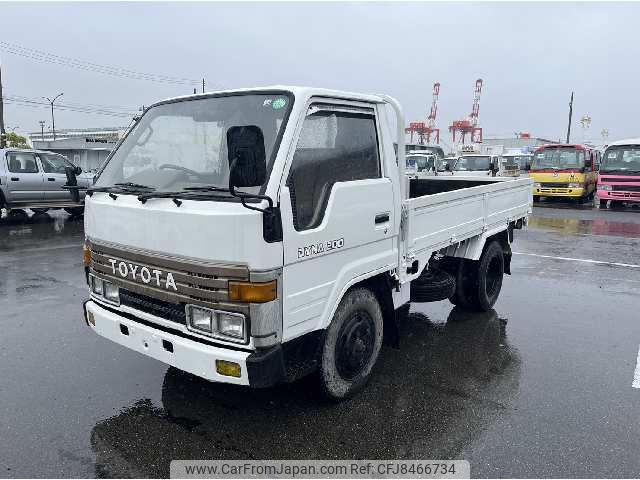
(39, 210)
(602, 204)
(433, 286)
(464, 277)
(74, 211)
(351, 345)
(480, 282)
(488, 278)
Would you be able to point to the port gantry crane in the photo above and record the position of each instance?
(470, 125)
(426, 130)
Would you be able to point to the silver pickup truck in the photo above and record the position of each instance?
(34, 179)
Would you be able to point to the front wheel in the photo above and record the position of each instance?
(352, 345)
(602, 204)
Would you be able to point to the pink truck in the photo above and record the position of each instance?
(619, 179)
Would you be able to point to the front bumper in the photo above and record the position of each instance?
(258, 369)
(558, 192)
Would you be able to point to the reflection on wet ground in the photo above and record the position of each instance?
(597, 226)
(19, 229)
(428, 399)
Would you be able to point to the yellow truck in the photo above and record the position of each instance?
(563, 170)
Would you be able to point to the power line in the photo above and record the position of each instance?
(29, 102)
(89, 106)
(46, 57)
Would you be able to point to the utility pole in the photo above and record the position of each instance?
(570, 115)
(41, 122)
(2, 132)
(203, 85)
(53, 120)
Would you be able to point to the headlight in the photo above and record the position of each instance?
(97, 285)
(537, 185)
(231, 324)
(105, 290)
(215, 323)
(574, 185)
(111, 292)
(605, 187)
(200, 319)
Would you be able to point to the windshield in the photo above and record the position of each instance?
(473, 163)
(623, 159)
(421, 162)
(184, 144)
(522, 161)
(558, 159)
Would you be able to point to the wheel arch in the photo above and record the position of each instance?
(381, 285)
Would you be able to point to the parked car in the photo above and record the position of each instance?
(34, 179)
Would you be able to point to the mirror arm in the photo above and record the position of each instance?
(243, 195)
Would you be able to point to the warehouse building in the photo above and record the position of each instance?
(88, 148)
(524, 143)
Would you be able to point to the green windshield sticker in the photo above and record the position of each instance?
(278, 103)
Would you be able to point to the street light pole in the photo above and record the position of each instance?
(41, 122)
(53, 120)
(2, 132)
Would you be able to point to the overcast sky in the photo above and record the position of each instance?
(530, 56)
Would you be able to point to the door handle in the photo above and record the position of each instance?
(51, 179)
(15, 179)
(382, 218)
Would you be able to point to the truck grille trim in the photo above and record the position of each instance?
(196, 283)
(626, 188)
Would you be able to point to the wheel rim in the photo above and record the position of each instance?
(354, 348)
(494, 276)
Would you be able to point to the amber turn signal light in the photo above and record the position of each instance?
(253, 292)
(86, 256)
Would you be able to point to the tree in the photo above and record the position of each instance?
(16, 141)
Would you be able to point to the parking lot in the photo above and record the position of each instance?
(541, 386)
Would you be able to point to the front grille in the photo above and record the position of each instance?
(626, 188)
(170, 280)
(553, 185)
(169, 311)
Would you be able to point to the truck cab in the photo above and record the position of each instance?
(619, 176)
(254, 236)
(477, 165)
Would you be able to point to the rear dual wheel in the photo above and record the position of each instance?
(478, 283)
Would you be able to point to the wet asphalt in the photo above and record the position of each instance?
(538, 387)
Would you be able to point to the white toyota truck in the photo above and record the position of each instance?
(255, 236)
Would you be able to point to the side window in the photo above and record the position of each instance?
(19, 162)
(54, 163)
(334, 146)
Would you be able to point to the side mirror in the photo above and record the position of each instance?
(72, 182)
(246, 156)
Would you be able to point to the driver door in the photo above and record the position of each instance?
(337, 212)
(54, 178)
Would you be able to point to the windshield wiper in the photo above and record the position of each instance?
(206, 188)
(136, 186)
(120, 188)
